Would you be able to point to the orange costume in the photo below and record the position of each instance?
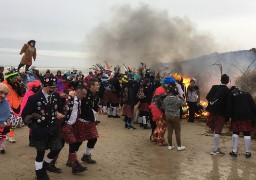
(29, 52)
(13, 98)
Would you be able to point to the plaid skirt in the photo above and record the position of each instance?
(67, 133)
(111, 97)
(85, 131)
(216, 123)
(144, 107)
(53, 143)
(128, 110)
(241, 126)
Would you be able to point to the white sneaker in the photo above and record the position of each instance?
(181, 148)
(170, 147)
(12, 140)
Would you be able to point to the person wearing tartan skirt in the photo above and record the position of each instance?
(242, 119)
(71, 126)
(86, 124)
(42, 113)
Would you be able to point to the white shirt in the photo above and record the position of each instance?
(73, 116)
(46, 95)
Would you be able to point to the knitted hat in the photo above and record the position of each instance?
(224, 79)
(168, 80)
(49, 81)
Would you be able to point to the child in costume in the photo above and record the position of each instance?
(4, 115)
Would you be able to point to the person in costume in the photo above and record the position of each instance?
(242, 119)
(112, 95)
(145, 96)
(157, 112)
(29, 51)
(219, 107)
(33, 87)
(70, 127)
(14, 97)
(129, 101)
(42, 113)
(4, 115)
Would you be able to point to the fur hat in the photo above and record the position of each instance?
(224, 79)
(168, 80)
(49, 81)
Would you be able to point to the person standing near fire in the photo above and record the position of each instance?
(29, 51)
(243, 117)
(219, 108)
(193, 98)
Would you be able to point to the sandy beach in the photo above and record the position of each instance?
(128, 154)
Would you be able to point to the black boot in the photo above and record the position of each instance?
(77, 168)
(88, 159)
(41, 174)
(45, 165)
(53, 168)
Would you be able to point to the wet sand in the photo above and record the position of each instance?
(128, 154)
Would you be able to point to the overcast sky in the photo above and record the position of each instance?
(60, 27)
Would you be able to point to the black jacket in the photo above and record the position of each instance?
(243, 107)
(88, 104)
(224, 101)
(47, 124)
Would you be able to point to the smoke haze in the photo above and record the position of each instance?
(147, 35)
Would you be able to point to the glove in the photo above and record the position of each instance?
(30, 118)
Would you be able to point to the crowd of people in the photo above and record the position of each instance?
(61, 109)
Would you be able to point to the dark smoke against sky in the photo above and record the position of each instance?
(147, 35)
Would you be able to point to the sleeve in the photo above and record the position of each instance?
(29, 107)
(180, 91)
(165, 102)
(73, 115)
(208, 96)
(34, 55)
(252, 104)
(24, 48)
(229, 104)
(96, 104)
(61, 103)
(181, 102)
